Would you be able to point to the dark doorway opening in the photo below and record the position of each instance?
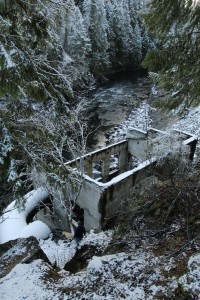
(78, 214)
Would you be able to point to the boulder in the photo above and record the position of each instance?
(19, 251)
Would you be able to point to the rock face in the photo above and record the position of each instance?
(19, 251)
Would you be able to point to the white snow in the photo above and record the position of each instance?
(95, 265)
(101, 239)
(25, 282)
(58, 253)
(37, 229)
(191, 280)
(139, 119)
(122, 176)
(136, 275)
(16, 250)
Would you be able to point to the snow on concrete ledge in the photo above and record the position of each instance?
(135, 133)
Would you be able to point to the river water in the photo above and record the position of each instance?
(114, 107)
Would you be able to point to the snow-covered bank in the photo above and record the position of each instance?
(130, 104)
(190, 122)
(136, 275)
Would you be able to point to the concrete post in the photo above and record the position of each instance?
(88, 167)
(123, 161)
(105, 168)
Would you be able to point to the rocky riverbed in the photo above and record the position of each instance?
(113, 108)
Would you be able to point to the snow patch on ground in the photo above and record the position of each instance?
(25, 282)
(100, 240)
(191, 281)
(58, 253)
(189, 123)
(135, 275)
(138, 118)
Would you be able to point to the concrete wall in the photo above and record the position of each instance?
(88, 199)
(101, 201)
(137, 143)
(114, 191)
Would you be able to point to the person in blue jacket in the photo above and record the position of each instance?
(79, 233)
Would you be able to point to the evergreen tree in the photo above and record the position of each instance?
(97, 25)
(47, 50)
(78, 42)
(176, 26)
(115, 32)
(109, 16)
(132, 38)
(127, 37)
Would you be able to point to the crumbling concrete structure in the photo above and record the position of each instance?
(100, 198)
(101, 193)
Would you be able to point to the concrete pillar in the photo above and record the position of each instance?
(88, 167)
(91, 220)
(105, 167)
(123, 161)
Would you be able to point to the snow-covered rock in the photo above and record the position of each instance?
(19, 251)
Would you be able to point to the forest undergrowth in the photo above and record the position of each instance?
(163, 216)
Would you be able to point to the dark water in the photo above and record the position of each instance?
(111, 104)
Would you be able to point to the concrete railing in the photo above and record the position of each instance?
(103, 157)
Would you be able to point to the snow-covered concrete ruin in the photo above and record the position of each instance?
(103, 189)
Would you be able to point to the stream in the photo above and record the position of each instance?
(114, 107)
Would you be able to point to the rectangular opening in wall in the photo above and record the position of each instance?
(114, 164)
(133, 162)
(78, 214)
(97, 170)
